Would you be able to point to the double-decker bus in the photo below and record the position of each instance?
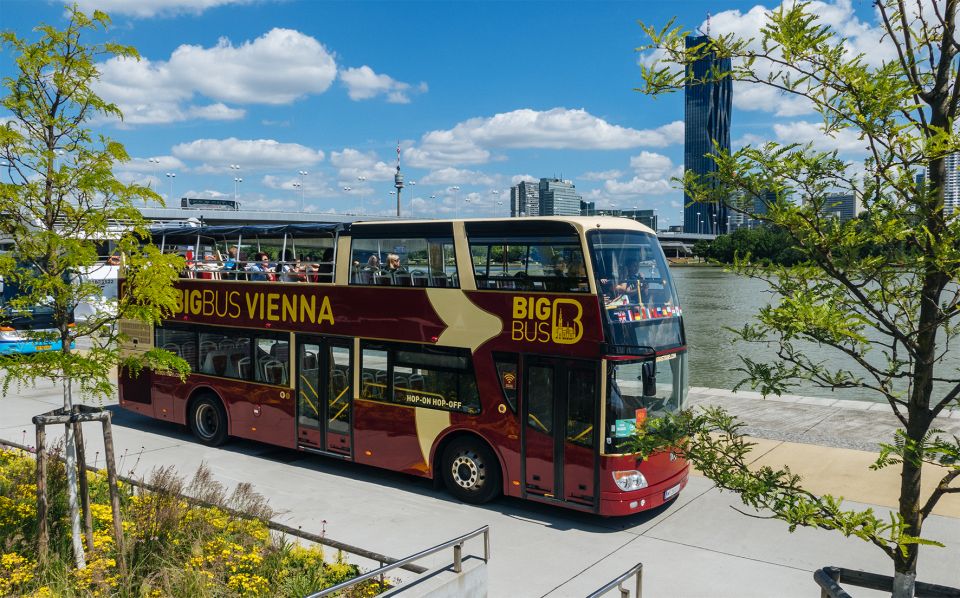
(507, 356)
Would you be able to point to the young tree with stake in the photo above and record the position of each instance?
(59, 199)
(882, 291)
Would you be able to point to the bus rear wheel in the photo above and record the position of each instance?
(471, 472)
(208, 420)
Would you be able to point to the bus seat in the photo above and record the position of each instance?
(188, 351)
(309, 361)
(439, 280)
(173, 348)
(420, 280)
(244, 370)
(416, 382)
(207, 346)
(403, 279)
(215, 363)
(274, 372)
(280, 351)
(384, 280)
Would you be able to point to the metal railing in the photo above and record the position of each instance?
(456, 543)
(829, 579)
(636, 570)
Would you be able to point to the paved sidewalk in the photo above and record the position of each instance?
(696, 546)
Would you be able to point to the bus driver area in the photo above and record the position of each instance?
(487, 353)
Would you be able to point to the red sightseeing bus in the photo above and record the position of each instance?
(507, 356)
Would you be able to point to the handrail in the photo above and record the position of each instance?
(456, 543)
(618, 583)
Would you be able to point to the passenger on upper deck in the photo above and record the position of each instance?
(259, 268)
(373, 263)
(393, 264)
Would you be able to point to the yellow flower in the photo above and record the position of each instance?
(15, 571)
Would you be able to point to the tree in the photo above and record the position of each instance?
(59, 200)
(882, 291)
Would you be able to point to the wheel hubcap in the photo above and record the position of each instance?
(468, 471)
(207, 422)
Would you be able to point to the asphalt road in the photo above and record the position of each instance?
(698, 545)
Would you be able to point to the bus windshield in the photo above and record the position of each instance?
(638, 390)
(641, 305)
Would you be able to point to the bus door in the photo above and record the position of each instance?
(560, 410)
(324, 397)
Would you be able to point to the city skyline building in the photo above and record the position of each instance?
(951, 187)
(707, 109)
(842, 206)
(525, 199)
(559, 198)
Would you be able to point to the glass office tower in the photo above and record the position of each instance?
(707, 108)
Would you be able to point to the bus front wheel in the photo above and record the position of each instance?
(208, 420)
(471, 472)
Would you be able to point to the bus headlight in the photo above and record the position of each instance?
(629, 480)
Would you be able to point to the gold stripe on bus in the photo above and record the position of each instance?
(430, 423)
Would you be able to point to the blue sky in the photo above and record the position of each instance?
(479, 95)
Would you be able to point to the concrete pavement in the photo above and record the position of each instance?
(696, 546)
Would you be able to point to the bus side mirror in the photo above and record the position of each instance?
(650, 379)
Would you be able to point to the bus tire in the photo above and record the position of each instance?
(208, 420)
(471, 472)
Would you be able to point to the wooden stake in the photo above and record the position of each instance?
(84, 487)
(43, 538)
(114, 493)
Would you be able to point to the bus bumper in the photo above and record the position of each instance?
(615, 504)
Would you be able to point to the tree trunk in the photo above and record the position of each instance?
(76, 530)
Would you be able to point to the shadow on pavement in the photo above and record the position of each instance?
(532, 512)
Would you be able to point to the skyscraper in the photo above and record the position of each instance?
(559, 198)
(525, 199)
(707, 107)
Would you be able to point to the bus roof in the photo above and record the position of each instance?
(186, 234)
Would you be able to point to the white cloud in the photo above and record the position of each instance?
(363, 84)
(454, 176)
(354, 163)
(314, 185)
(638, 186)
(651, 164)
(602, 175)
(152, 8)
(251, 154)
(844, 140)
(162, 164)
(517, 178)
(470, 141)
(278, 67)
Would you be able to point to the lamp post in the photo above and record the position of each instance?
(156, 168)
(302, 173)
(496, 197)
(713, 229)
(236, 187)
(456, 203)
(698, 223)
(171, 176)
(348, 189)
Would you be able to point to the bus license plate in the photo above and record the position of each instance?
(43, 347)
(671, 492)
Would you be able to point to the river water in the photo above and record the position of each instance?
(713, 300)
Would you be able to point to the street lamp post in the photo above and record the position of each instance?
(171, 176)
(302, 173)
(456, 202)
(698, 223)
(156, 168)
(236, 187)
(496, 196)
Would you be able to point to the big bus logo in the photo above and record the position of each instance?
(542, 320)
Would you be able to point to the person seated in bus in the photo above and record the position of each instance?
(393, 264)
(325, 269)
(630, 277)
(259, 269)
(313, 273)
(286, 268)
(373, 263)
(559, 265)
(113, 260)
(232, 263)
